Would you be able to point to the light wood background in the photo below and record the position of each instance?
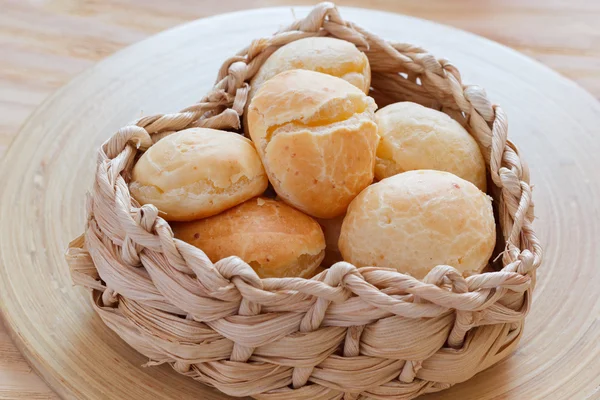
(45, 43)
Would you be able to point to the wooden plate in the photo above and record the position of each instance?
(50, 165)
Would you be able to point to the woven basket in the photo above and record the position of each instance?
(347, 333)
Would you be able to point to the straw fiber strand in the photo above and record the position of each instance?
(347, 333)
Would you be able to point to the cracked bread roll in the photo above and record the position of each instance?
(198, 172)
(417, 220)
(416, 137)
(317, 138)
(322, 54)
(274, 238)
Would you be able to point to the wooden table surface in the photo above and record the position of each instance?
(44, 43)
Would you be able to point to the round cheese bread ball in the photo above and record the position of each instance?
(274, 238)
(317, 138)
(198, 172)
(419, 219)
(321, 54)
(417, 137)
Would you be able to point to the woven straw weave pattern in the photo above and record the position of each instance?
(347, 333)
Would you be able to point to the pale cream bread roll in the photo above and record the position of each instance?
(274, 238)
(416, 137)
(197, 173)
(322, 54)
(317, 138)
(416, 220)
(327, 55)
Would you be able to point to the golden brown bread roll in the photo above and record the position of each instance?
(331, 229)
(417, 137)
(274, 238)
(419, 219)
(322, 54)
(197, 173)
(317, 139)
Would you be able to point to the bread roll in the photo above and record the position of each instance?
(417, 137)
(274, 238)
(317, 138)
(419, 219)
(321, 54)
(197, 173)
(331, 229)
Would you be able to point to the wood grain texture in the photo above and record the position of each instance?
(44, 43)
(56, 44)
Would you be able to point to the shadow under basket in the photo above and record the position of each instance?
(347, 333)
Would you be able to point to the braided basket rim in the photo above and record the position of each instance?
(344, 332)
